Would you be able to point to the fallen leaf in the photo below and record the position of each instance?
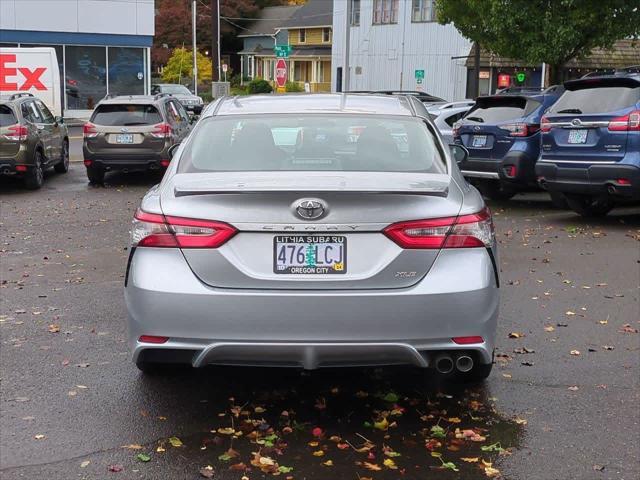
(318, 453)
(521, 421)
(382, 424)
(226, 431)
(608, 347)
(115, 468)
(372, 466)
(491, 472)
(259, 410)
(133, 446)
(317, 432)
(328, 463)
(390, 464)
(573, 388)
(626, 328)
(575, 352)
(470, 459)
(283, 469)
(85, 464)
(175, 442)
(53, 328)
(143, 457)
(516, 335)
(569, 313)
(549, 328)
(39, 436)
(207, 472)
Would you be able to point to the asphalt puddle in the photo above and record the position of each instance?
(344, 423)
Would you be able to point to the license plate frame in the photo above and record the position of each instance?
(577, 136)
(124, 138)
(479, 141)
(296, 245)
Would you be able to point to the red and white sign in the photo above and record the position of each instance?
(281, 72)
(33, 70)
(504, 80)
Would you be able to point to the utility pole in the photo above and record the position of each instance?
(195, 47)
(476, 65)
(347, 41)
(215, 40)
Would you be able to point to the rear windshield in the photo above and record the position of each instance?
(501, 110)
(596, 100)
(6, 116)
(126, 115)
(312, 143)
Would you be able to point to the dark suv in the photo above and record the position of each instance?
(591, 143)
(192, 103)
(31, 139)
(133, 133)
(502, 134)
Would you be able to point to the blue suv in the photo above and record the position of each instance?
(502, 134)
(591, 143)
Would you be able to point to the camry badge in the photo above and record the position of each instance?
(310, 209)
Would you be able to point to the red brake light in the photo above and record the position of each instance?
(467, 340)
(520, 129)
(466, 231)
(161, 130)
(19, 133)
(89, 130)
(153, 339)
(626, 123)
(154, 230)
(545, 125)
(623, 181)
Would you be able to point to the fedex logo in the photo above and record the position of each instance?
(9, 75)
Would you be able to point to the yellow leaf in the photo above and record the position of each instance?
(266, 461)
(381, 425)
(516, 335)
(85, 464)
(390, 464)
(470, 459)
(259, 410)
(372, 466)
(521, 421)
(549, 328)
(226, 431)
(328, 463)
(491, 472)
(454, 420)
(318, 453)
(436, 454)
(160, 449)
(313, 444)
(175, 442)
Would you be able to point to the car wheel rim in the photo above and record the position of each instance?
(65, 153)
(38, 171)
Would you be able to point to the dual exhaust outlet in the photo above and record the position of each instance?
(445, 363)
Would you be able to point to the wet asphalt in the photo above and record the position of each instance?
(561, 403)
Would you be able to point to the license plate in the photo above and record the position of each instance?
(310, 254)
(578, 136)
(479, 141)
(124, 138)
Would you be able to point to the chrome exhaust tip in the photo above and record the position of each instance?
(464, 363)
(444, 363)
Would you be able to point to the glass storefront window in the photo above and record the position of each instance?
(126, 71)
(86, 82)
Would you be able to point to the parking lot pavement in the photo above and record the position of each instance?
(562, 399)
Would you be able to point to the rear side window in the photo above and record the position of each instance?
(7, 116)
(126, 115)
(596, 100)
(30, 113)
(502, 110)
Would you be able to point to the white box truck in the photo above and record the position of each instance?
(34, 70)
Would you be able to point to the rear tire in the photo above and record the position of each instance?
(63, 165)
(477, 374)
(589, 206)
(34, 178)
(559, 201)
(95, 175)
(496, 190)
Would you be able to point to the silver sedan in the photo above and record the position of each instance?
(314, 231)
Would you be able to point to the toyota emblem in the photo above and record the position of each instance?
(310, 209)
(576, 121)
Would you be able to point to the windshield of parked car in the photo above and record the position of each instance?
(6, 116)
(312, 143)
(596, 100)
(126, 115)
(175, 89)
(498, 110)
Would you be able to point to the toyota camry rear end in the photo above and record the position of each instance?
(314, 231)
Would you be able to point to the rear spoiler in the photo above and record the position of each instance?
(590, 82)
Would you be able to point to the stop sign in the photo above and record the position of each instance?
(281, 72)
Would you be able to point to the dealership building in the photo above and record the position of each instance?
(103, 46)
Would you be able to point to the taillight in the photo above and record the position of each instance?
(626, 123)
(19, 133)
(456, 130)
(466, 231)
(545, 124)
(89, 130)
(520, 129)
(161, 130)
(154, 230)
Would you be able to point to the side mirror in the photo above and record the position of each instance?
(59, 120)
(172, 149)
(459, 153)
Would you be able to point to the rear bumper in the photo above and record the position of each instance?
(501, 169)
(7, 166)
(126, 162)
(311, 329)
(197, 109)
(589, 179)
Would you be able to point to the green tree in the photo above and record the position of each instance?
(536, 31)
(180, 66)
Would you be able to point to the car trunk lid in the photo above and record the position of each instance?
(263, 207)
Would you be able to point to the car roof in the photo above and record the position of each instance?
(337, 103)
(16, 97)
(137, 99)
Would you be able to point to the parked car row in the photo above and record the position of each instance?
(579, 141)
